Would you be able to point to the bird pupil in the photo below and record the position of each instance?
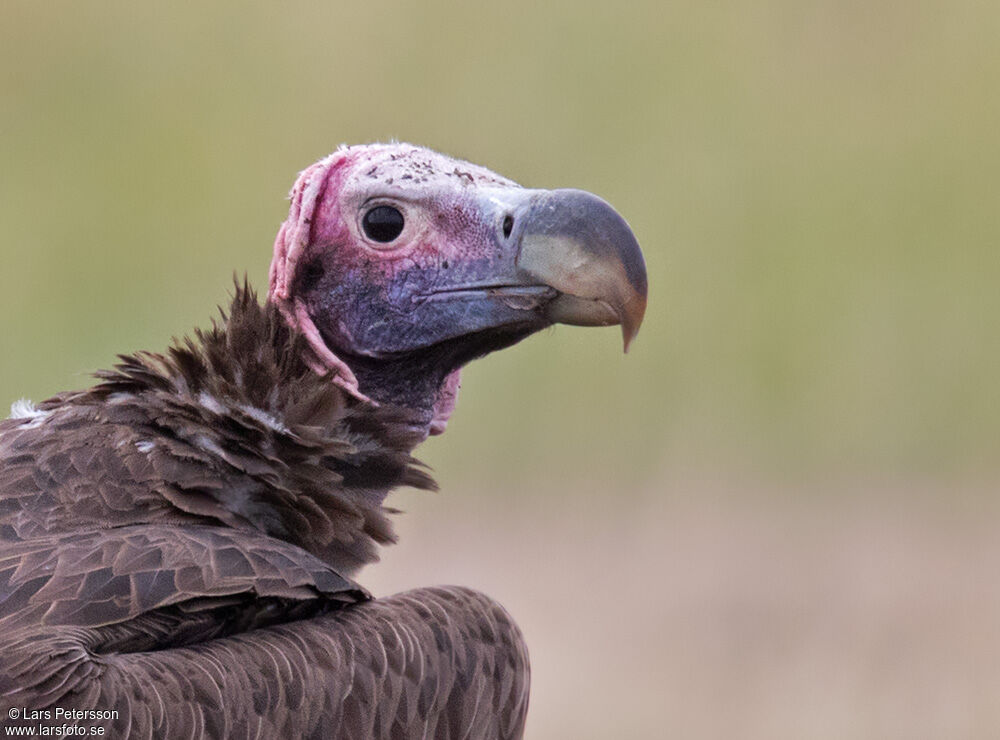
(383, 223)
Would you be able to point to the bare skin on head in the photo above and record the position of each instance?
(400, 265)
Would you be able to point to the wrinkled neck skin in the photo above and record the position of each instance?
(422, 387)
(424, 390)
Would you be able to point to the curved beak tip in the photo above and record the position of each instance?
(578, 244)
(631, 320)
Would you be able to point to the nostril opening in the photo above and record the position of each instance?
(508, 225)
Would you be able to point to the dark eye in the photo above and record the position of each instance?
(383, 223)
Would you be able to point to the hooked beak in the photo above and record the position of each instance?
(579, 245)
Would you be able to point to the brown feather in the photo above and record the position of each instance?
(176, 544)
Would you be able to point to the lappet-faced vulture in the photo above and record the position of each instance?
(178, 542)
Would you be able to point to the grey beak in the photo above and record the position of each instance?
(576, 243)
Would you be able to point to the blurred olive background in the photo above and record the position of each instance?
(815, 185)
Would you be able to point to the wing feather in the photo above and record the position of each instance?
(438, 662)
(106, 577)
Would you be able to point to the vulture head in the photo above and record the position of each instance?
(400, 265)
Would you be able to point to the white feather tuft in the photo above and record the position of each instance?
(25, 409)
(269, 420)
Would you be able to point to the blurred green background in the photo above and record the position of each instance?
(815, 185)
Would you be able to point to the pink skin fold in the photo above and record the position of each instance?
(289, 247)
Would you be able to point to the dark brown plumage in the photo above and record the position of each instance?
(178, 542)
(215, 497)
